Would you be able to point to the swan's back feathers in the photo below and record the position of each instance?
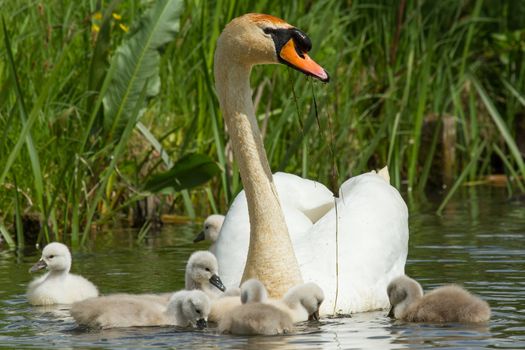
(310, 197)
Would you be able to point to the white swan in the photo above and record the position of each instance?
(210, 230)
(354, 255)
(255, 316)
(185, 308)
(444, 304)
(58, 286)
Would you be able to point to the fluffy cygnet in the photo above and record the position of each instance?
(444, 304)
(254, 316)
(185, 308)
(302, 302)
(202, 272)
(210, 230)
(58, 286)
(250, 291)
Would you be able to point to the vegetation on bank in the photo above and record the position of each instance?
(99, 99)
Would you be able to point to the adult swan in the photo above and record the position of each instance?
(352, 257)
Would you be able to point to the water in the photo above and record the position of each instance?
(479, 241)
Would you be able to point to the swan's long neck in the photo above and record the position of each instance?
(271, 258)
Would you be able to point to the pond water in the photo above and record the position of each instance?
(479, 241)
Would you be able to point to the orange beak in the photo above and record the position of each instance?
(302, 62)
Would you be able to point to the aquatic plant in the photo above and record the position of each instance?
(433, 89)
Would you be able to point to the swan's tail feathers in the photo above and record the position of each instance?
(384, 174)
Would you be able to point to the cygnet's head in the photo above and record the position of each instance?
(202, 267)
(210, 229)
(194, 306)
(55, 256)
(309, 295)
(402, 291)
(253, 291)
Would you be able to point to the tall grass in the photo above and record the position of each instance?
(404, 74)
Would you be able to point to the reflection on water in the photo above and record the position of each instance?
(477, 242)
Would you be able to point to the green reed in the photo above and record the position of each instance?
(404, 75)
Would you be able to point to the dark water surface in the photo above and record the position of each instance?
(479, 241)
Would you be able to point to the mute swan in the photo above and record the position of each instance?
(444, 304)
(353, 256)
(302, 302)
(58, 286)
(202, 273)
(210, 230)
(254, 316)
(250, 291)
(185, 308)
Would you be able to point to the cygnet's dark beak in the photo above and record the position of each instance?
(201, 323)
(391, 313)
(216, 281)
(314, 316)
(199, 237)
(41, 264)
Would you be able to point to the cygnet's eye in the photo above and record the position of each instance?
(51, 256)
(208, 269)
(206, 227)
(198, 311)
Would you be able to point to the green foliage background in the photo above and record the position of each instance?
(434, 89)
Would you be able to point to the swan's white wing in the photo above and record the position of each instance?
(303, 202)
(310, 197)
(372, 238)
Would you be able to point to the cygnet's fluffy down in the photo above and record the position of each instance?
(449, 303)
(255, 316)
(302, 302)
(210, 230)
(58, 286)
(185, 308)
(249, 292)
(202, 272)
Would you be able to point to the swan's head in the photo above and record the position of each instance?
(202, 268)
(309, 295)
(55, 256)
(264, 39)
(193, 307)
(253, 291)
(210, 229)
(402, 291)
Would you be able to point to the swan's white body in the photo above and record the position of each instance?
(58, 286)
(372, 236)
(351, 246)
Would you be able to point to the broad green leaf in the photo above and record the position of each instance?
(190, 171)
(137, 64)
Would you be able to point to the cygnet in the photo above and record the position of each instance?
(449, 303)
(185, 308)
(210, 230)
(58, 286)
(254, 316)
(302, 302)
(202, 272)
